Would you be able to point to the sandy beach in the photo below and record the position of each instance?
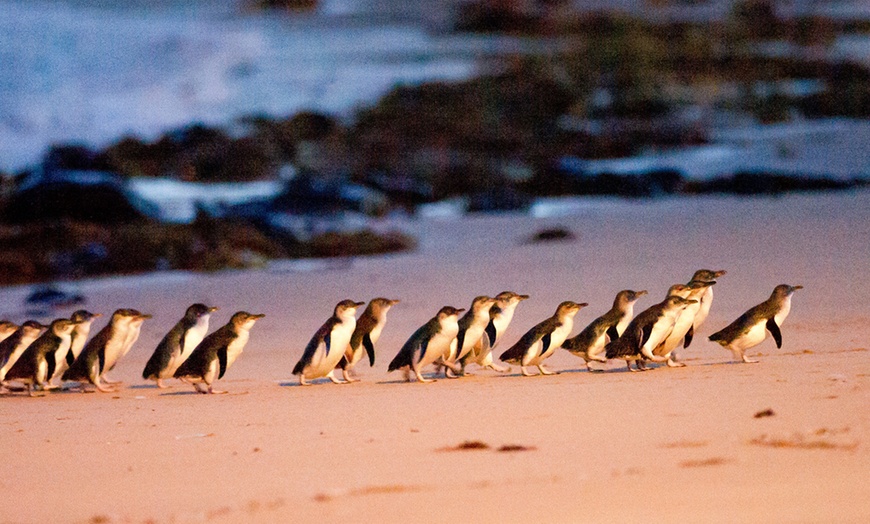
(784, 440)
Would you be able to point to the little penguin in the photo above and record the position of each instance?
(589, 344)
(37, 364)
(429, 343)
(84, 320)
(500, 316)
(216, 353)
(13, 346)
(703, 275)
(752, 327)
(365, 335)
(6, 329)
(646, 331)
(542, 340)
(134, 327)
(694, 290)
(471, 327)
(328, 345)
(177, 345)
(91, 363)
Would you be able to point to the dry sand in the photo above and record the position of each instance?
(666, 445)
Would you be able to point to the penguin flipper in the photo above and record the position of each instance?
(612, 333)
(545, 343)
(370, 348)
(491, 333)
(70, 358)
(222, 360)
(689, 336)
(101, 355)
(647, 331)
(774, 330)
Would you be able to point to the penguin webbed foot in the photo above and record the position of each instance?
(212, 391)
(334, 379)
(545, 371)
(674, 364)
(345, 372)
(526, 373)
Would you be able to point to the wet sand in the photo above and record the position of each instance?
(781, 440)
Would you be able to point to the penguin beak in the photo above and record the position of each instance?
(523, 297)
(642, 292)
(795, 288)
(145, 316)
(358, 304)
(720, 273)
(394, 302)
(258, 316)
(97, 315)
(213, 309)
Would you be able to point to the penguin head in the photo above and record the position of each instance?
(137, 317)
(380, 305)
(784, 290)
(244, 320)
(482, 303)
(63, 326)
(7, 328)
(197, 311)
(449, 311)
(675, 301)
(627, 296)
(506, 298)
(708, 274)
(679, 290)
(700, 284)
(83, 316)
(346, 308)
(569, 308)
(32, 328)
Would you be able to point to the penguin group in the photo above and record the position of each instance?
(41, 357)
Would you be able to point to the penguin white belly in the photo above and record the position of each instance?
(234, 349)
(596, 349)
(438, 346)
(472, 337)
(704, 309)
(322, 363)
(557, 337)
(41, 372)
(59, 355)
(132, 337)
(211, 374)
(192, 338)
(780, 316)
(625, 320)
(112, 351)
(753, 337)
(681, 326)
(660, 331)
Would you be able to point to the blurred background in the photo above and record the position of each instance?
(167, 134)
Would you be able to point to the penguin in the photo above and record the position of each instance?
(752, 327)
(365, 335)
(134, 327)
(542, 340)
(216, 353)
(646, 331)
(37, 363)
(589, 344)
(91, 363)
(703, 275)
(328, 345)
(14, 345)
(84, 320)
(471, 327)
(683, 323)
(178, 344)
(500, 316)
(7, 329)
(431, 341)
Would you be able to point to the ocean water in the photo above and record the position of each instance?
(91, 71)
